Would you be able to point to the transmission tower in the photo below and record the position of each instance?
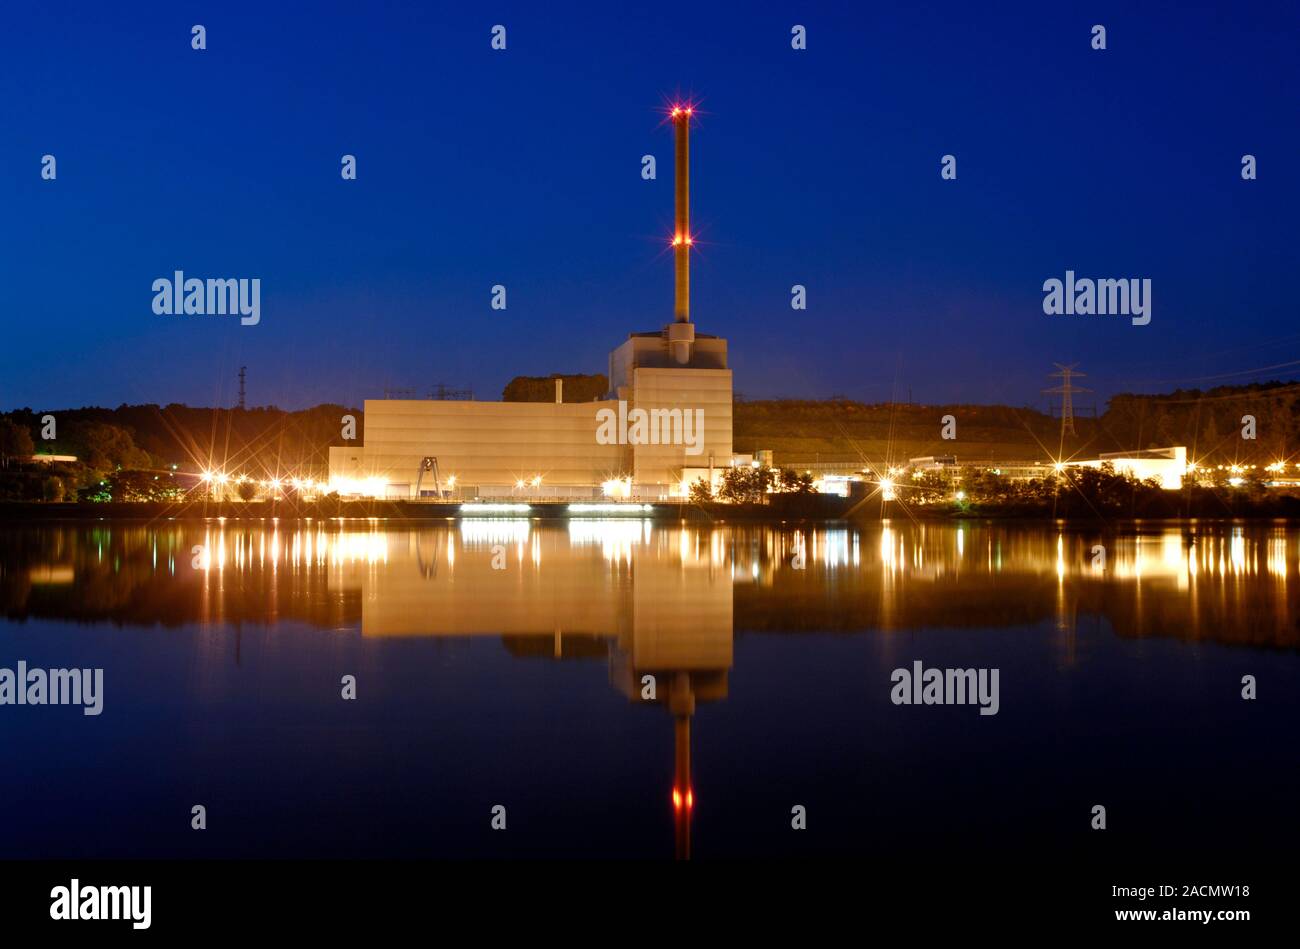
(242, 371)
(1067, 390)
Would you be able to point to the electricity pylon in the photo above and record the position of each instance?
(1067, 390)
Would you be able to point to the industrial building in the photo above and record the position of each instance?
(665, 422)
(1166, 465)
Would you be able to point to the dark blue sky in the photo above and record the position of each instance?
(523, 168)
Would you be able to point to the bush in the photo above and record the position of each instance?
(137, 486)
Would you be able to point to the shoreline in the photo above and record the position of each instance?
(814, 509)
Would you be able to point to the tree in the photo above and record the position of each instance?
(746, 484)
(701, 491)
(793, 482)
(15, 441)
(104, 448)
(247, 490)
(52, 489)
(927, 487)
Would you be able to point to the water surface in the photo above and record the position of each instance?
(504, 662)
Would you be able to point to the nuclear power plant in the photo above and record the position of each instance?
(665, 422)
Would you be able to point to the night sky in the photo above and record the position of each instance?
(522, 168)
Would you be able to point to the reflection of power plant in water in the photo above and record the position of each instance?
(657, 603)
(658, 600)
(681, 653)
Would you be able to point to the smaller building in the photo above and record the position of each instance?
(932, 462)
(1166, 465)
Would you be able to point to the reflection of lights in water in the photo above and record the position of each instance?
(306, 549)
(583, 531)
(615, 538)
(1277, 557)
(477, 532)
(1164, 556)
(372, 547)
(1155, 558)
(1171, 551)
(835, 548)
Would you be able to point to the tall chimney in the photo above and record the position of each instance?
(682, 219)
(681, 334)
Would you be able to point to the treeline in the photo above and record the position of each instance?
(119, 446)
(1082, 492)
(187, 436)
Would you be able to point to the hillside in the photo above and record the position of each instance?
(1208, 422)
